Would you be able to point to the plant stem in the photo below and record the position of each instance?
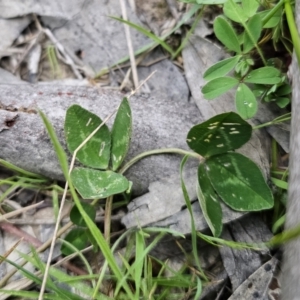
(273, 122)
(200, 14)
(155, 152)
(107, 218)
(274, 155)
(293, 29)
(281, 173)
(284, 237)
(272, 12)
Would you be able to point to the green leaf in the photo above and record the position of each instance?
(31, 276)
(56, 275)
(245, 102)
(271, 90)
(282, 102)
(252, 33)
(259, 90)
(187, 16)
(219, 134)
(264, 75)
(109, 259)
(190, 210)
(121, 134)
(242, 67)
(209, 202)
(278, 224)
(218, 86)
(284, 90)
(274, 20)
(250, 7)
(221, 68)
(25, 173)
(92, 240)
(79, 124)
(78, 238)
(234, 12)
(76, 217)
(147, 33)
(61, 154)
(239, 182)
(226, 34)
(93, 184)
(250, 61)
(280, 183)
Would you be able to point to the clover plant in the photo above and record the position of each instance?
(222, 174)
(101, 157)
(264, 83)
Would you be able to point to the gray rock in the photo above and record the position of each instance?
(10, 30)
(257, 285)
(61, 8)
(100, 38)
(158, 122)
(241, 263)
(8, 78)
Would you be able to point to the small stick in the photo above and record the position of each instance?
(129, 45)
(19, 211)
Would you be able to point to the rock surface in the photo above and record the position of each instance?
(158, 122)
